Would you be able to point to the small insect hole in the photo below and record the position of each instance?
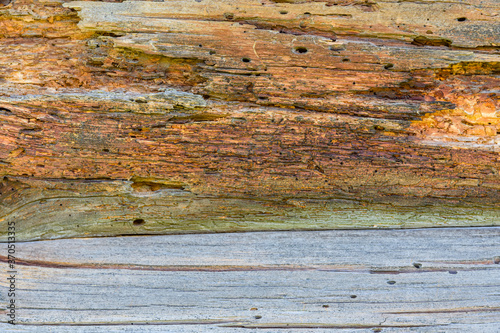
(139, 222)
(461, 19)
(300, 50)
(245, 59)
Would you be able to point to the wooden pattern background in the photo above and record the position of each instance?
(209, 117)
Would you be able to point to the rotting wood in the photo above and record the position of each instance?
(293, 114)
(427, 280)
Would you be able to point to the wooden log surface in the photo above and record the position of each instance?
(247, 115)
(419, 280)
(208, 117)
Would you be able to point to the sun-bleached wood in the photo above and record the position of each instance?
(427, 280)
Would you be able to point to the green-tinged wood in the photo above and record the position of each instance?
(105, 208)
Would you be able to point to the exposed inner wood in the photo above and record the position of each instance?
(247, 115)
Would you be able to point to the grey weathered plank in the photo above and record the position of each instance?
(302, 280)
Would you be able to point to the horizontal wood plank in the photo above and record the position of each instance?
(420, 280)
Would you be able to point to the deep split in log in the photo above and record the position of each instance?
(143, 117)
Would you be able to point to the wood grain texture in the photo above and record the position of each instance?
(428, 280)
(247, 115)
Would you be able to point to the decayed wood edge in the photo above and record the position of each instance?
(55, 209)
(425, 280)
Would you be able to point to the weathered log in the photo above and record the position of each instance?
(143, 117)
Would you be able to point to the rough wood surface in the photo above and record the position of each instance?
(430, 280)
(247, 115)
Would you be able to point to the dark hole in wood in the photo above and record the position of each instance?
(391, 282)
(353, 296)
(345, 60)
(258, 317)
(417, 265)
(245, 59)
(229, 16)
(139, 222)
(326, 306)
(461, 19)
(388, 66)
(452, 272)
(211, 52)
(283, 12)
(300, 50)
